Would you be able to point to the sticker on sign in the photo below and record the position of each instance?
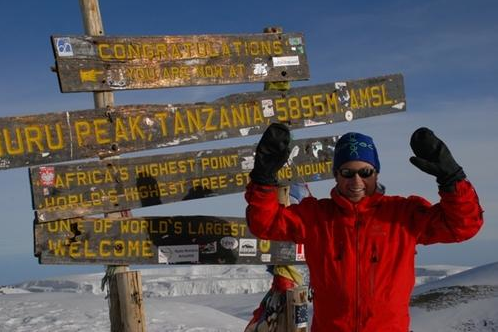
(178, 254)
(282, 61)
(247, 247)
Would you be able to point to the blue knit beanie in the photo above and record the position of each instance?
(356, 146)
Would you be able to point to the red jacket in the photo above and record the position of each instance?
(361, 256)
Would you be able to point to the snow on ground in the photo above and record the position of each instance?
(222, 298)
(482, 275)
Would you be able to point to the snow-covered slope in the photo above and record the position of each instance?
(222, 298)
(466, 301)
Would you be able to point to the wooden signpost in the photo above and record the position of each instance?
(73, 190)
(103, 63)
(56, 137)
(158, 240)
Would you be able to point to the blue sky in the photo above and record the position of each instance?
(447, 51)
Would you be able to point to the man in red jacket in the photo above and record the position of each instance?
(360, 243)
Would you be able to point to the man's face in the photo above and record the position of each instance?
(356, 187)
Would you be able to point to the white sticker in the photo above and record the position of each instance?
(316, 147)
(260, 69)
(343, 93)
(265, 258)
(247, 247)
(247, 162)
(208, 248)
(178, 254)
(293, 154)
(399, 105)
(64, 47)
(310, 123)
(295, 41)
(229, 243)
(267, 106)
(244, 131)
(348, 115)
(282, 61)
(149, 122)
(4, 163)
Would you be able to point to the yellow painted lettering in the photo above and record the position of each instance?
(365, 97)
(88, 252)
(147, 249)
(194, 121)
(103, 51)
(133, 248)
(180, 127)
(332, 103)
(266, 47)
(74, 248)
(162, 120)
(376, 96)
(306, 106)
(120, 131)
(209, 120)
(237, 45)
(103, 248)
(233, 71)
(119, 51)
(50, 141)
(161, 51)
(225, 50)
(148, 51)
(385, 98)
(277, 47)
(82, 129)
(238, 116)
(320, 106)
(100, 132)
(282, 114)
(175, 52)
(354, 99)
(11, 149)
(119, 248)
(224, 119)
(258, 115)
(33, 136)
(134, 51)
(134, 123)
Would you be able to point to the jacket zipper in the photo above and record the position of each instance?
(357, 302)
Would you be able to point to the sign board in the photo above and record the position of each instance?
(103, 63)
(73, 190)
(158, 240)
(57, 137)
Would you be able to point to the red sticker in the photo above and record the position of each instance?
(47, 176)
(300, 252)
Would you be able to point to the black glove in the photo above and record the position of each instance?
(271, 154)
(432, 156)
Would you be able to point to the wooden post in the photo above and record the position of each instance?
(297, 309)
(125, 299)
(286, 320)
(129, 288)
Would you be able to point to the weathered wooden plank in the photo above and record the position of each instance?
(106, 63)
(56, 137)
(73, 190)
(158, 240)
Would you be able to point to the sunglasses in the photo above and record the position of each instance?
(362, 172)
